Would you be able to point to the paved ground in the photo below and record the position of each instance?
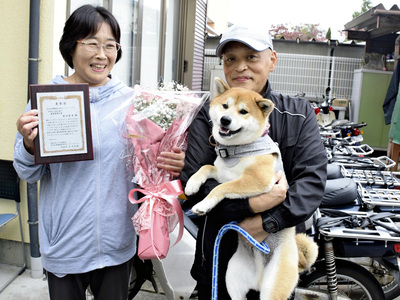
(24, 287)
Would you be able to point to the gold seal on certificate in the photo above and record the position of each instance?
(64, 131)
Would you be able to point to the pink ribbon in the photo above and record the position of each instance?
(168, 191)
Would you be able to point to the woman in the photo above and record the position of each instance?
(85, 228)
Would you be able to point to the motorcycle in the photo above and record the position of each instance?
(345, 241)
(377, 192)
(343, 131)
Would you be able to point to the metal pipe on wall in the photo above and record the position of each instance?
(33, 71)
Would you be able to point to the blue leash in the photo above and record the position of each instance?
(263, 247)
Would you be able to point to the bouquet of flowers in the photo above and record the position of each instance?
(156, 121)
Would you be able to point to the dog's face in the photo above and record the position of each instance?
(239, 116)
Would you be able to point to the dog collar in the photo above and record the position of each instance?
(231, 154)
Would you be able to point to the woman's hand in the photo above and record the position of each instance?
(172, 161)
(263, 202)
(26, 126)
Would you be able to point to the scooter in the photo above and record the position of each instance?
(324, 111)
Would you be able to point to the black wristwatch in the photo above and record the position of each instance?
(269, 224)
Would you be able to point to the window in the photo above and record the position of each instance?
(150, 32)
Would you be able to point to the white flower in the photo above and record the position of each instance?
(172, 86)
(158, 107)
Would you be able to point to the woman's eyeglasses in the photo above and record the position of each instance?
(111, 47)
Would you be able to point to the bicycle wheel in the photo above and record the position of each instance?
(354, 281)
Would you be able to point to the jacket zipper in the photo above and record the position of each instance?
(98, 172)
(203, 257)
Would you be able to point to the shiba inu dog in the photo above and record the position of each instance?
(245, 166)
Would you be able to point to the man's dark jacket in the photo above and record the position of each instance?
(294, 128)
(391, 95)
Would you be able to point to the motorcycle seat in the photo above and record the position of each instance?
(340, 191)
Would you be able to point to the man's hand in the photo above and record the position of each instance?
(253, 225)
(271, 199)
(263, 202)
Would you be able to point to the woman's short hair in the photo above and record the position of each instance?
(85, 21)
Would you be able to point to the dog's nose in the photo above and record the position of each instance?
(226, 121)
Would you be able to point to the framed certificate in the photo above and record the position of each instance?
(64, 130)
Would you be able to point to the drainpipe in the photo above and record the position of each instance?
(36, 265)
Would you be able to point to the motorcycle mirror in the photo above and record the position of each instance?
(327, 91)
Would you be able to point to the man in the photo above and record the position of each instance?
(248, 58)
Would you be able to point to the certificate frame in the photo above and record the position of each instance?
(64, 130)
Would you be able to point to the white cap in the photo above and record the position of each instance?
(255, 38)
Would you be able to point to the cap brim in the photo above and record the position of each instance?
(248, 42)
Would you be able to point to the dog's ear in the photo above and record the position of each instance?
(266, 106)
(220, 86)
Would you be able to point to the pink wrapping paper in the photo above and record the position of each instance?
(148, 140)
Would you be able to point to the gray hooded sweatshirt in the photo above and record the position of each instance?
(84, 212)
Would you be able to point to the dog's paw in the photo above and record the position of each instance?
(202, 207)
(192, 187)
